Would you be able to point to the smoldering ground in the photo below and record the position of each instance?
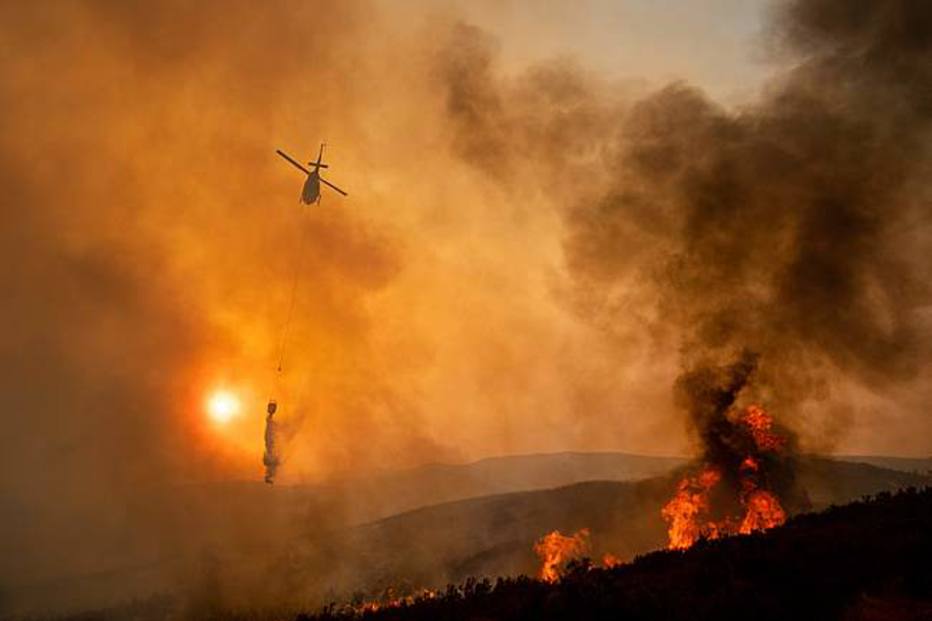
(526, 264)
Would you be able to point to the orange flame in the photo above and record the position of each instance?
(763, 512)
(555, 550)
(683, 511)
(759, 422)
(390, 600)
(686, 513)
(609, 560)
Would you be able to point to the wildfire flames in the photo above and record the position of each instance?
(759, 424)
(609, 560)
(555, 550)
(689, 513)
(763, 512)
(390, 599)
(686, 508)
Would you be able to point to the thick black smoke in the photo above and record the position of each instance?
(708, 394)
(746, 458)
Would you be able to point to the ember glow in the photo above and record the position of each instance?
(391, 599)
(690, 513)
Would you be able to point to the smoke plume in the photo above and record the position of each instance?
(793, 227)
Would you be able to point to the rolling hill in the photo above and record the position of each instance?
(251, 545)
(495, 535)
(246, 526)
(865, 561)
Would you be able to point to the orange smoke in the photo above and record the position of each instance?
(555, 550)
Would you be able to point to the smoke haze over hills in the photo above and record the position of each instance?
(528, 259)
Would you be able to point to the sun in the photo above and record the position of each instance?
(222, 406)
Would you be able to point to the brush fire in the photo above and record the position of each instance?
(748, 461)
(390, 599)
(692, 513)
(556, 551)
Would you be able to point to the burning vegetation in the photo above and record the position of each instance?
(689, 512)
(748, 463)
(390, 598)
(746, 460)
(556, 550)
(844, 563)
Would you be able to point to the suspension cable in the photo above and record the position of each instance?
(286, 326)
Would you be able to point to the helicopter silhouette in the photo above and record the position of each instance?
(310, 193)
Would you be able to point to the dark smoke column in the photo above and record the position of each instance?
(733, 441)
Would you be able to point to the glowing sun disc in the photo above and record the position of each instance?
(222, 406)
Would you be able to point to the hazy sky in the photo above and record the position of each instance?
(157, 235)
(715, 43)
(441, 313)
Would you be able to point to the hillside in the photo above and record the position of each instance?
(495, 535)
(383, 494)
(867, 560)
(921, 465)
(246, 527)
(256, 546)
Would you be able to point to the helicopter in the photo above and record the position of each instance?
(310, 193)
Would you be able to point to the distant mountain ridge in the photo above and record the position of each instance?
(514, 473)
(905, 464)
(387, 493)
